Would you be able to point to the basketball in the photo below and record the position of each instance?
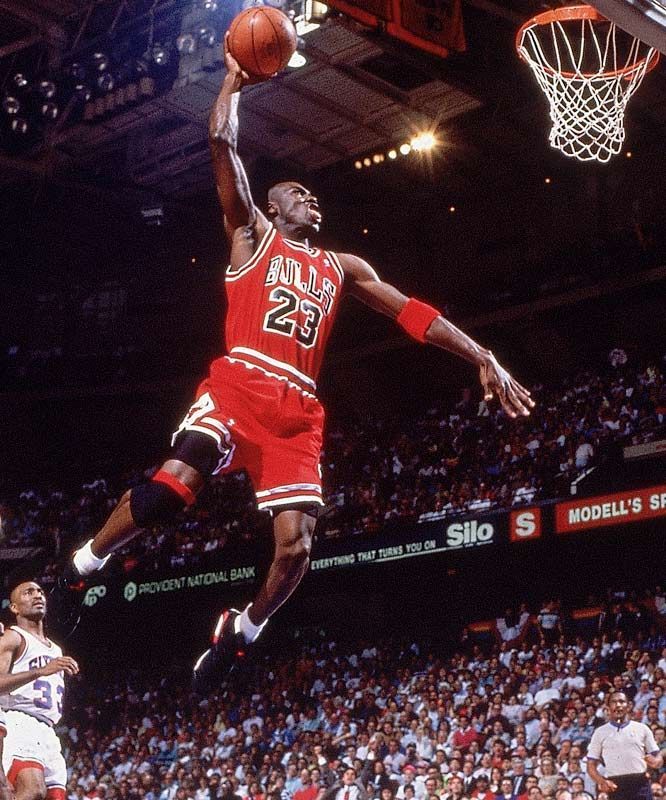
(262, 39)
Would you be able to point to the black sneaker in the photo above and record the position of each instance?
(65, 602)
(227, 650)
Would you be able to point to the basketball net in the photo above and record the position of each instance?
(588, 70)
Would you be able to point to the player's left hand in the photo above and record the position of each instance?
(514, 397)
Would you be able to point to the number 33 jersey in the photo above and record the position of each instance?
(41, 698)
(282, 304)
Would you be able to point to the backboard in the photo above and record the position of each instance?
(645, 19)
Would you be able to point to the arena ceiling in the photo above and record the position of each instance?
(358, 94)
(516, 200)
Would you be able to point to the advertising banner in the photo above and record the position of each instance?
(422, 540)
(611, 509)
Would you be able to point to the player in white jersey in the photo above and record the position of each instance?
(5, 794)
(32, 683)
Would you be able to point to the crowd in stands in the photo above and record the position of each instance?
(487, 722)
(380, 473)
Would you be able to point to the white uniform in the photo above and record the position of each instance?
(31, 712)
(623, 747)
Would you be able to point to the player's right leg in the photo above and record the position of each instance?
(5, 793)
(195, 456)
(22, 757)
(28, 781)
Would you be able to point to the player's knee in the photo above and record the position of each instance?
(30, 791)
(294, 552)
(159, 500)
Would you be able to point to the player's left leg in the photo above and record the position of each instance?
(55, 771)
(194, 457)
(293, 529)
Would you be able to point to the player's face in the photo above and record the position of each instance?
(298, 206)
(29, 601)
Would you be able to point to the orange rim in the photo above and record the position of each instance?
(573, 13)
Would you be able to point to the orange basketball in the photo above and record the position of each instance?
(262, 39)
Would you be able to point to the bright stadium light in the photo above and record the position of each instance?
(297, 60)
(423, 142)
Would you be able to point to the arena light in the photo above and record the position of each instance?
(210, 6)
(159, 54)
(105, 82)
(392, 154)
(47, 89)
(207, 36)
(367, 162)
(100, 61)
(10, 105)
(19, 125)
(313, 14)
(423, 142)
(358, 164)
(405, 149)
(297, 60)
(186, 43)
(49, 110)
(82, 92)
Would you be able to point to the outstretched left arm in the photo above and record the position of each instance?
(365, 285)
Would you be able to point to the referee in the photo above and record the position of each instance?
(627, 749)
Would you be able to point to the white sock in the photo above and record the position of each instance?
(243, 624)
(86, 561)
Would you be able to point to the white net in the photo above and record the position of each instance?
(588, 69)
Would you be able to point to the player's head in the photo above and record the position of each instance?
(292, 206)
(28, 600)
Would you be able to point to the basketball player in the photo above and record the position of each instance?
(32, 670)
(258, 407)
(5, 794)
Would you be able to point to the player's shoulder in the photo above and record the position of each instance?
(356, 267)
(11, 639)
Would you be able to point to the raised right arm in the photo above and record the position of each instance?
(233, 188)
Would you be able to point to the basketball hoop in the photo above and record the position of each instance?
(588, 69)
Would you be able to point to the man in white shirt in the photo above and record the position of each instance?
(547, 694)
(627, 748)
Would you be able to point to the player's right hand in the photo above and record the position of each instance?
(607, 786)
(61, 664)
(514, 398)
(235, 73)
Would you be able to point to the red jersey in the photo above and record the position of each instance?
(282, 305)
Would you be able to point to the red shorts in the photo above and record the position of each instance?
(262, 424)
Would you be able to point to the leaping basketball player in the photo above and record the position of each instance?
(32, 686)
(258, 408)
